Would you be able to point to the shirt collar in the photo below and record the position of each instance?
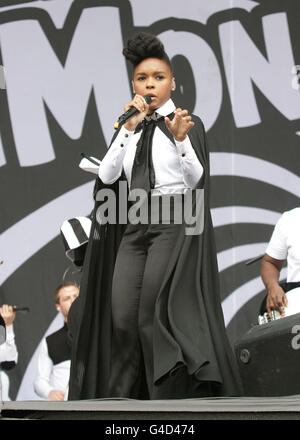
(167, 108)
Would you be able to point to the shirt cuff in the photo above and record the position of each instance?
(10, 334)
(184, 148)
(123, 137)
(46, 391)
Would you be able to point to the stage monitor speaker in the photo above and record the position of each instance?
(268, 356)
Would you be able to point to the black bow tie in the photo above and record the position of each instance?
(153, 117)
(149, 118)
(142, 175)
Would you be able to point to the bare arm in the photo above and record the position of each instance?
(270, 270)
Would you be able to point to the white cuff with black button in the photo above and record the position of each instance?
(124, 136)
(184, 147)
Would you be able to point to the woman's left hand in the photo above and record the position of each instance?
(180, 124)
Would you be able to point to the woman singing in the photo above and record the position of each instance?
(150, 324)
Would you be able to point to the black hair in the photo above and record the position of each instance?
(141, 46)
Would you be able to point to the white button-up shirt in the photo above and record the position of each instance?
(8, 353)
(8, 350)
(49, 376)
(285, 243)
(176, 167)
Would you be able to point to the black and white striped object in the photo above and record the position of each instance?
(89, 164)
(75, 235)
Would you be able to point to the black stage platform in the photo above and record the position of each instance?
(245, 408)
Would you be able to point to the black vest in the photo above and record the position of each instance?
(58, 347)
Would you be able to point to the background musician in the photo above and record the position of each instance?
(283, 246)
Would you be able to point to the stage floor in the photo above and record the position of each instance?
(244, 408)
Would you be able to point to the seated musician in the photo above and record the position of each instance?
(283, 246)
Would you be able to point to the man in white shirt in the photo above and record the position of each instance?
(54, 359)
(283, 246)
(8, 350)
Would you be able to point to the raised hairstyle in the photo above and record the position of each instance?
(61, 286)
(141, 46)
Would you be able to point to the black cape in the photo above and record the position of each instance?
(192, 354)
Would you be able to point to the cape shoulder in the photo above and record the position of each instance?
(198, 139)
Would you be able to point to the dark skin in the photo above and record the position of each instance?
(154, 77)
(270, 270)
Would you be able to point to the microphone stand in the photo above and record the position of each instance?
(253, 260)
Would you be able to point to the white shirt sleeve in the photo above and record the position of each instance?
(110, 168)
(277, 247)
(8, 350)
(191, 167)
(42, 384)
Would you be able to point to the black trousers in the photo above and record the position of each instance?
(141, 262)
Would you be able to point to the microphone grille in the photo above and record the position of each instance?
(148, 99)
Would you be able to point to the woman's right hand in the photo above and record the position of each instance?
(141, 105)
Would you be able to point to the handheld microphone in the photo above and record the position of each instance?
(131, 112)
(21, 309)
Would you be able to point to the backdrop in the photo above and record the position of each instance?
(236, 66)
